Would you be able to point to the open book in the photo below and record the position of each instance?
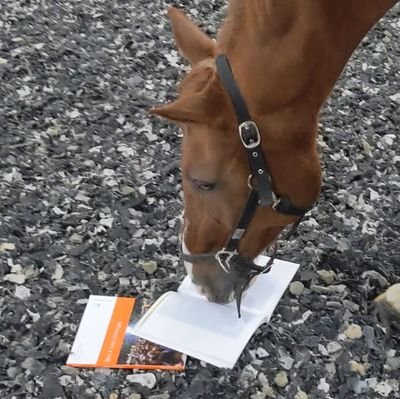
(187, 322)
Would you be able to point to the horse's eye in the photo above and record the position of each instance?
(203, 185)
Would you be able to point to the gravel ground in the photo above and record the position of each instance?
(89, 200)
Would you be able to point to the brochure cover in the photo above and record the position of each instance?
(105, 338)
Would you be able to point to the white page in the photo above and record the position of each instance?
(201, 329)
(265, 291)
(87, 346)
(188, 323)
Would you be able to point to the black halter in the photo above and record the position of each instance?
(261, 194)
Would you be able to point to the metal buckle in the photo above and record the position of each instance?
(249, 125)
(276, 202)
(249, 182)
(224, 263)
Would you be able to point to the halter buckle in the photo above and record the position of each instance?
(251, 129)
(224, 263)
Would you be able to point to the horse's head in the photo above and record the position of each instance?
(215, 168)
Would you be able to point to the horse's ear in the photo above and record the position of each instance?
(184, 110)
(190, 40)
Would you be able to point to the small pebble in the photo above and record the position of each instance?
(149, 266)
(393, 363)
(389, 301)
(357, 367)
(333, 347)
(76, 239)
(12, 372)
(258, 395)
(323, 385)
(247, 376)
(124, 281)
(281, 379)
(300, 395)
(147, 380)
(65, 380)
(286, 362)
(7, 246)
(327, 276)
(296, 288)
(15, 278)
(353, 331)
(266, 388)
(261, 353)
(21, 292)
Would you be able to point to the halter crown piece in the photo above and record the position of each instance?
(261, 195)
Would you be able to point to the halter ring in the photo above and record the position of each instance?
(224, 263)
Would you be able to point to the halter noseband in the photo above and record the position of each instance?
(262, 195)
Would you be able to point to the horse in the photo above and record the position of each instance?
(249, 110)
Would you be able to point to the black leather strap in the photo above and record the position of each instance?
(285, 206)
(248, 131)
(226, 76)
(244, 221)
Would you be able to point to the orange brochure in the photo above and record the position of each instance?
(105, 338)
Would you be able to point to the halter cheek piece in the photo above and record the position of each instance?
(260, 195)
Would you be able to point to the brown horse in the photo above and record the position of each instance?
(286, 57)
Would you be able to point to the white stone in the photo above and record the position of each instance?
(7, 246)
(383, 388)
(65, 380)
(108, 172)
(24, 91)
(15, 278)
(58, 272)
(286, 362)
(296, 288)
(82, 197)
(124, 281)
(73, 114)
(107, 222)
(374, 275)
(353, 331)
(21, 292)
(261, 353)
(147, 380)
(391, 297)
(281, 379)
(149, 266)
(300, 394)
(327, 276)
(248, 375)
(395, 97)
(333, 347)
(357, 367)
(323, 385)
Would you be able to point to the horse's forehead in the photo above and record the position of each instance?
(206, 151)
(202, 147)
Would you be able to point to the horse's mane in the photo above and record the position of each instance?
(231, 26)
